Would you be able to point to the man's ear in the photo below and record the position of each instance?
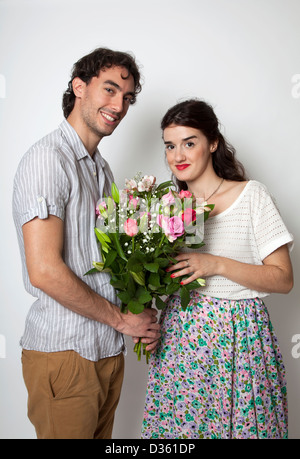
(78, 87)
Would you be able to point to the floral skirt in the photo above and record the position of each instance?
(218, 373)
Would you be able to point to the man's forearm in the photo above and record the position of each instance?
(61, 284)
(43, 242)
(66, 288)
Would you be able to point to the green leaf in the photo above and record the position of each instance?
(143, 295)
(163, 262)
(117, 284)
(136, 262)
(152, 287)
(117, 245)
(167, 279)
(192, 285)
(135, 306)
(115, 193)
(172, 288)
(152, 267)
(102, 237)
(164, 185)
(138, 277)
(201, 282)
(110, 206)
(100, 267)
(185, 297)
(154, 279)
(139, 256)
(160, 304)
(110, 258)
(195, 246)
(131, 286)
(124, 297)
(173, 260)
(134, 266)
(161, 290)
(91, 271)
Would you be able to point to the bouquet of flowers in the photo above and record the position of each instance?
(140, 230)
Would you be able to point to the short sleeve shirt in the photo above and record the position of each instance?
(248, 231)
(57, 176)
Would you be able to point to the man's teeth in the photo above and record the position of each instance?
(109, 118)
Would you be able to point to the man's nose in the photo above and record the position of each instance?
(118, 103)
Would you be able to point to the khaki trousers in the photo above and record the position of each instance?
(70, 397)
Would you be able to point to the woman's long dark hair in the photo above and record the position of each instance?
(200, 115)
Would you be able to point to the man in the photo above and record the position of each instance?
(73, 341)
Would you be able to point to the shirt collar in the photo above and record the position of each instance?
(76, 144)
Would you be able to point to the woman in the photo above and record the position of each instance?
(218, 371)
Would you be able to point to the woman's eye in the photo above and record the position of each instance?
(169, 147)
(190, 144)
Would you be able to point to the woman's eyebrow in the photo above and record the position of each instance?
(189, 138)
(185, 140)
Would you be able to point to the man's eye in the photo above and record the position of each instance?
(169, 147)
(129, 99)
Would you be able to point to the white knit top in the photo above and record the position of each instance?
(248, 231)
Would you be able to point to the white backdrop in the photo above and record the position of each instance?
(242, 56)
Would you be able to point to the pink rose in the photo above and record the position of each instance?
(168, 198)
(172, 227)
(185, 194)
(133, 201)
(188, 216)
(102, 207)
(131, 227)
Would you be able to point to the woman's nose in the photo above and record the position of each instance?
(179, 154)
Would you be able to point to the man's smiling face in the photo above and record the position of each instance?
(106, 99)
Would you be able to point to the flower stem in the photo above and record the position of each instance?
(161, 241)
(138, 350)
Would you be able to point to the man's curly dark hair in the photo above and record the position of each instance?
(89, 66)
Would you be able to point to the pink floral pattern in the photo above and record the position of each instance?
(218, 373)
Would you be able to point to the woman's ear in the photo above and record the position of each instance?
(214, 146)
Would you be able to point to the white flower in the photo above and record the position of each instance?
(130, 184)
(146, 183)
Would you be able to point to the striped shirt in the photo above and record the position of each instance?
(57, 176)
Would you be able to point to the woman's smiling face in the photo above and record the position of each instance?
(188, 152)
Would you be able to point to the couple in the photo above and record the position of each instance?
(216, 369)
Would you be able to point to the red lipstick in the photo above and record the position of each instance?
(181, 167)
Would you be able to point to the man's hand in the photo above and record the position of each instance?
(140, 325)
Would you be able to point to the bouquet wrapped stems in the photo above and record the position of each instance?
(140, 348)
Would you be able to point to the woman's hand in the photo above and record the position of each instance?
(274, 275)
(196, 265)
